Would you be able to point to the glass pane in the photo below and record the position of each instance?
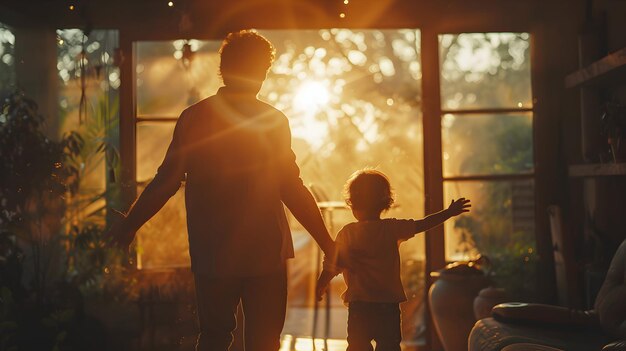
(88, 82)
(152, 142)
(485, 70)
(500, 225)
(172, 75)
(487, 144)
(162, 241)
(7, 60)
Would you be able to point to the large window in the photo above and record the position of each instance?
(487, 144)
(353, 98)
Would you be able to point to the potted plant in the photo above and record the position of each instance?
(35, 177)
(53, 266)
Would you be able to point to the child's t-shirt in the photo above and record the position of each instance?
(369, 259)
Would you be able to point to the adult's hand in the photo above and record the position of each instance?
(119, 233)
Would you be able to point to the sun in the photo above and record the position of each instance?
(311, 96)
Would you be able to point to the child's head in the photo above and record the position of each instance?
(368, 190)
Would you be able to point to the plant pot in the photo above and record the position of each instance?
(451, 299)
(486, 299)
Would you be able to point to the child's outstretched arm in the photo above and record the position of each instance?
(456, 208)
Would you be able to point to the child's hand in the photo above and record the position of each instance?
(459, 206)
(320, 290)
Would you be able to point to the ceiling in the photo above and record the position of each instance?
(207, 18)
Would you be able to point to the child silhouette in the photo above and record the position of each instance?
(368, 257)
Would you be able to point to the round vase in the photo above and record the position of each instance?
(486, 299)
(451, 299)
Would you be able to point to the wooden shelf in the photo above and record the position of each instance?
(595, 170)
(609, 70)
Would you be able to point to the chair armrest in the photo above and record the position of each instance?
(524, 346)
(615, 346)
(546, 315)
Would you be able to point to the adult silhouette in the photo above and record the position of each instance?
(234, 154)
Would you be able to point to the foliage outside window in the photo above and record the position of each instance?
(487, 144)
(89, 105)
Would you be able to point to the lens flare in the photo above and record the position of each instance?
(311, 97)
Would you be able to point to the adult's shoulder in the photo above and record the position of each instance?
(269, 106)
(271, 110)
(191, 113)
(197, 107)
(272, 117)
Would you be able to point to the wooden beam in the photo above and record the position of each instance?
(433, 176)
(127, 123)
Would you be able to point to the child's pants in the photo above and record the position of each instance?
(369, 321)
(263, 299)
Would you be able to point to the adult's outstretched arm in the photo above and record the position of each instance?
(166, 182)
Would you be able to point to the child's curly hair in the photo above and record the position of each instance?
(369, 190)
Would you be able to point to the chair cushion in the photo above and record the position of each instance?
(537, 315)
(615, 346)
(491, 335)
(529, 347)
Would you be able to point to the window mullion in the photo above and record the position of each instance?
(433, 173)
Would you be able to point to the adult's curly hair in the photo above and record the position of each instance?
(245, 53)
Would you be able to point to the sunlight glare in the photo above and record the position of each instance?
(306, 344)
(311, 97)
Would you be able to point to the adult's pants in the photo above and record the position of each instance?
(263, 299)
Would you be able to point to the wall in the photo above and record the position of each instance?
(597, 208)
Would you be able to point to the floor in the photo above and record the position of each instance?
(291, 343)
(299, 328)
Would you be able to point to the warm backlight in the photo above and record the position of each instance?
(311, 96)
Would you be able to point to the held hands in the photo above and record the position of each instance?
(322, 284)
(459, 206)
(320, 289)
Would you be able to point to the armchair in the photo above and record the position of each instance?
(538, 327)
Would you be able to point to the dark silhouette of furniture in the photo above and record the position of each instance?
(519, 326)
